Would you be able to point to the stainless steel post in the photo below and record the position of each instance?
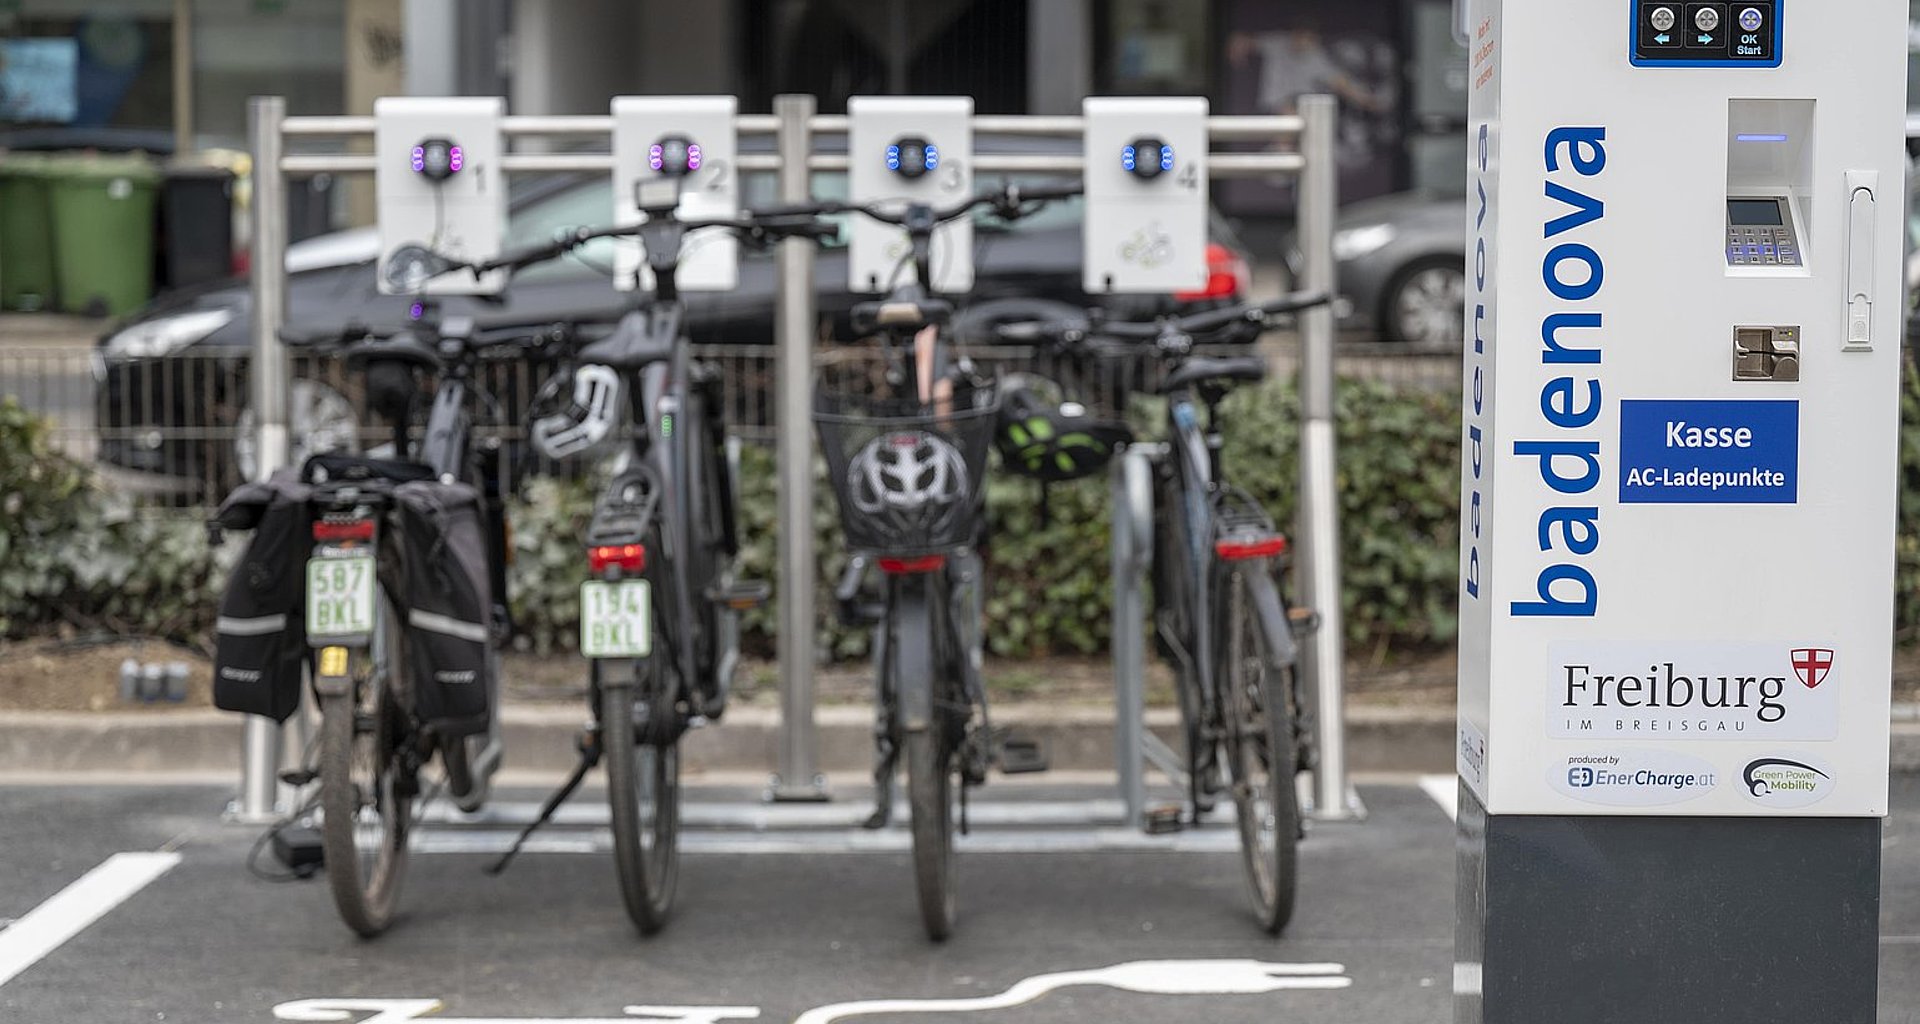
(260, 754)
(1319, 524)
(799, 776)
(1132, 547)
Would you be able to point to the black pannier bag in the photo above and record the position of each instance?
(449, 604)
(260, 638)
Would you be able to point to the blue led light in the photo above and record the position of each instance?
(1760, 138)
(893, 158)
(933, 157)
(1166, 158)
(1128, 158)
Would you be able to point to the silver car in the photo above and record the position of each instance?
(1402, 262)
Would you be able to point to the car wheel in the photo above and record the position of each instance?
(320, 419)
(1426, 304)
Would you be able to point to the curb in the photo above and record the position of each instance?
(541, 739)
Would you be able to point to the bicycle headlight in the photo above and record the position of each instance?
(163, 336)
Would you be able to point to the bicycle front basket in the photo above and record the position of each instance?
(909, 478)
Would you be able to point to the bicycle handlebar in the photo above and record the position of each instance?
(1075, 332)
(1009, 202)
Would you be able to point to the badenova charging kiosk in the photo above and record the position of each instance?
(1681, 416)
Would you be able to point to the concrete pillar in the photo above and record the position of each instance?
(1059, 55)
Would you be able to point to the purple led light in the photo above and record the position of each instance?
(419, 159)
(693, 156)
(416, 311)
(654, 158)
(455, 159)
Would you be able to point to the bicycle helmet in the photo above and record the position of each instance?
(911, 480)
(576, 410)
(1048, 439)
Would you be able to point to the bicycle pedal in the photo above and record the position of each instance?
(298, 777)
(742, 595)
(1303, 620)
(1022, 755)
(1164, 820)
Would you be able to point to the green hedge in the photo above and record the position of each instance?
(74, 557)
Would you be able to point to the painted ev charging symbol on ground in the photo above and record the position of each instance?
(1145, 977)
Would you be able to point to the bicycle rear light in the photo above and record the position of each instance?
(334, 530)
(912, 566)
(1226, 275)
(1241, 549)
(629, 557)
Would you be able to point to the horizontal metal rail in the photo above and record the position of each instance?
(1219, 165)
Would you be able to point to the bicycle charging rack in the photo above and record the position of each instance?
(794, 126)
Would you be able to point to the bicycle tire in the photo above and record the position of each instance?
(1257, 735)
(929, 762)
(365, 894)
(643, 793)
(930, 800)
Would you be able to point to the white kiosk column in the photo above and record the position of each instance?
(1681, 429)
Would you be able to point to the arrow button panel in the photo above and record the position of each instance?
(1677, 33)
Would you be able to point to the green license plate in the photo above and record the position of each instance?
(340, 597)
(616, 619)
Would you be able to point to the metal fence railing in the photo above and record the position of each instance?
(175, 431)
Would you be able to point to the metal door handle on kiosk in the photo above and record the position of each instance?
(1860, 237)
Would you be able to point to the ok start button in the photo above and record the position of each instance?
(1753, 32)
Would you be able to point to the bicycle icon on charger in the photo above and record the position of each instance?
(1144, 977)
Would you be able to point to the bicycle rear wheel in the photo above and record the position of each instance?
(1256, 709)
(366, 800)
(643, 789)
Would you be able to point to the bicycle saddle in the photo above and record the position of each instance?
(900, 316)
(633, 344)
(1203, 369)
(401, 346)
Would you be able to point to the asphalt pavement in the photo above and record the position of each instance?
(133, 903)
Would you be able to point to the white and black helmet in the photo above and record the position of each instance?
(576, 410)
(913, 478)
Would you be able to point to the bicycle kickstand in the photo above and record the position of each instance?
(589, 745)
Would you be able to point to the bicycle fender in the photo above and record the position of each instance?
(1273, 616)
(910, 654)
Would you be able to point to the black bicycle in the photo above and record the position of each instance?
(1220, 614)
(405, 601)
(659, 607)
(907, 460)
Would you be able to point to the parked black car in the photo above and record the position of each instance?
(173, 379)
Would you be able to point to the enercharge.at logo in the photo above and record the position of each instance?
(1632, 778)
(1692, 692)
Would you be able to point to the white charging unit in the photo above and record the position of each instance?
(438, 183)
(1145, 228)
(692, 138)
(901, 150)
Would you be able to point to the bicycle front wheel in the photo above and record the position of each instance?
(930, 796)
(643, 788)
(366, 802)
(1256, 709)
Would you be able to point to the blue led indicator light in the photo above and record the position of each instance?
(1166, 158)
(933, 157)
(893, 158)
(1760, 138)
(1128, 158)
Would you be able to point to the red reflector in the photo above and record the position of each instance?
(1226, 274)
(359, 529)
(909, 566)
(1257, 547)
(629, 557)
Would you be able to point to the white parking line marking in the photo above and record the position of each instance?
(891, 840)
(399, 1011)
(68, 912)
(1445, 791)
(1148, 977)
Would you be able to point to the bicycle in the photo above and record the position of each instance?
(424, 531)
(663, 525)
(907, 466)
(1220, 614)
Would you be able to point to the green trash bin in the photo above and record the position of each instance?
(103, 220)
(26, 234)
